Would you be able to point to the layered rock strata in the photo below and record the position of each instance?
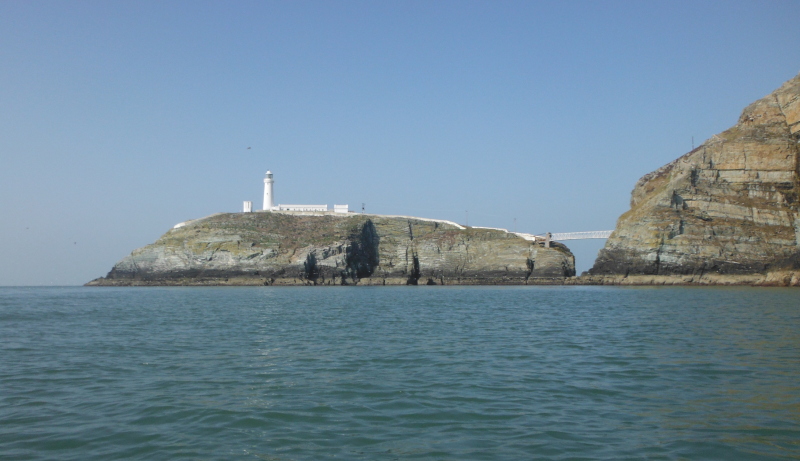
(727, 208)
(285, 248)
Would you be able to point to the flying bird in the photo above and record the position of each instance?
(248, 148)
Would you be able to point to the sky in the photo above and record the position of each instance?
(119, 119)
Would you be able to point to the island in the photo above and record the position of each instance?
(329, 248)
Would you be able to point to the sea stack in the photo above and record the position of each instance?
(726, 212)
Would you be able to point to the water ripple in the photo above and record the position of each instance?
(422, 373)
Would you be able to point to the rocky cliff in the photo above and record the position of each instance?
(727, 208)
(285, 248)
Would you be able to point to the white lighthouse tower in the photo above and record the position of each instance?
(268, 205)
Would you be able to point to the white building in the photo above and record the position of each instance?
(340, 208)
(247, 206)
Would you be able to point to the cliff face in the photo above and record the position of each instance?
(729, 206)
(278, 248)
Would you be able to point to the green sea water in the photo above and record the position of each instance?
(396, 373)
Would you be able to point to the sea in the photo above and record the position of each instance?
(399, 373)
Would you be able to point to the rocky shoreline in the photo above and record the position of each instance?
(287, 282)
(770, 279)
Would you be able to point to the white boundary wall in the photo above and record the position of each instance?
(420, 219)
(301, 208)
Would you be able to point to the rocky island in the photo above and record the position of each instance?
(298, 248)
(724, 213)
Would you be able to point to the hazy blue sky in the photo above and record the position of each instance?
(122, 118)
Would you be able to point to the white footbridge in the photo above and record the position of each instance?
(558, 236)
(561, 236)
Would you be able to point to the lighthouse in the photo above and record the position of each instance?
(268, 191)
